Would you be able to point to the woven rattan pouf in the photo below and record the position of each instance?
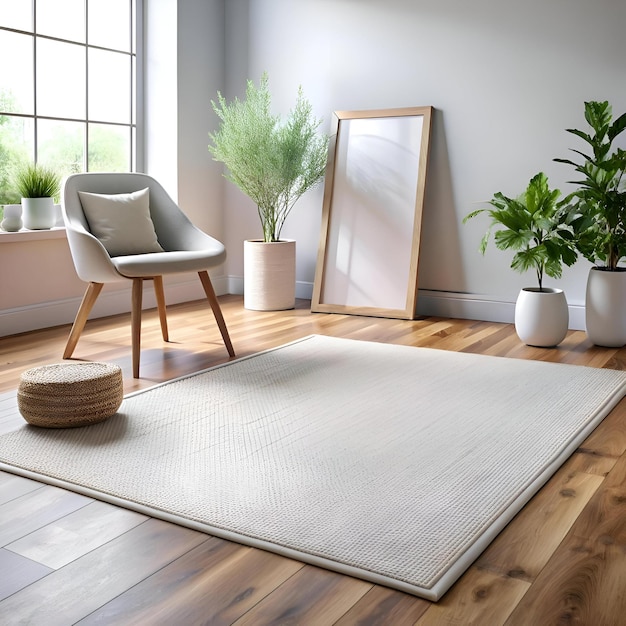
(66, 395)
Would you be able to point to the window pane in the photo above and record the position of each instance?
(109, 74)
(61, 18)
(17, 141)
(133, 111)
(60, 79)
(17, 14)
(133, 33)
(133, 149)
(61, 145)
(67, 84)
(109, 148)
(109, 24)
(16, 77)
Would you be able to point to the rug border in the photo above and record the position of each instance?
(461, 565)
(225, 364)
(439, 587)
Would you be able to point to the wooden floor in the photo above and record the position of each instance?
(66, 559)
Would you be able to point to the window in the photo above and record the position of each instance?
(67, 86)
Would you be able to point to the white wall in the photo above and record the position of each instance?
(200, 73)
(184, 51)
(505, 78)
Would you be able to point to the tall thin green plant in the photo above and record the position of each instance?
(535, 225)
(272, 162)
(37, 181)
(599, 203)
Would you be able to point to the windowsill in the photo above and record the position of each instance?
(58, 232)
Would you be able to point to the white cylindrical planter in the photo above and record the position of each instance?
(269, 282)
(38, 213)
(541, 317)
(605, 307)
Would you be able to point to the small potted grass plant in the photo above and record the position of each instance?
(536, 226)
(37, 185)
(273, 162)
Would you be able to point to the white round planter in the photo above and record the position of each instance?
(541, 317)
(605, 308)
(269, 282)
(12, 221)
(38, 213)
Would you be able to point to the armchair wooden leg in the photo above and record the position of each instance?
(160, 298)
(89, 299)
(135, 323)
(217, 311)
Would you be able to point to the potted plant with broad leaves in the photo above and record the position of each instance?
(274, 163)
(535, 225)
(38, 185)
(598, 208)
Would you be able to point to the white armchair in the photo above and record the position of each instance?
(119, 231)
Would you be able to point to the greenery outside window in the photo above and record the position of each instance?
(67, 87)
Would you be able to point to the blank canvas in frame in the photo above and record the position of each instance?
(373, 198)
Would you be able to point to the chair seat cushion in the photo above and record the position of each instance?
(159, 263)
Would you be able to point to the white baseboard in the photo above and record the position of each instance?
(448, 304)
(60, 312)
(477, 307)
(429, 303)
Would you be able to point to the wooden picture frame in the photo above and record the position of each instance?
(372, 213)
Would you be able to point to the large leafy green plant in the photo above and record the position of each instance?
(272, 162)
(535, 225)
(599, 202)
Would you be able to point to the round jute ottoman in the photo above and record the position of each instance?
(66, 395)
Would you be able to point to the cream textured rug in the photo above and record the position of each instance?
(390, 463)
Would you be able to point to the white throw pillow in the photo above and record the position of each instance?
(121, 221)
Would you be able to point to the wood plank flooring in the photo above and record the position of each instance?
(68, 559)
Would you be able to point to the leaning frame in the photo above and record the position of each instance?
(368, 255)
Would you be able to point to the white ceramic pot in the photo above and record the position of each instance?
(605, 307)
(541, 317)
(269, 275)
(38, 213)
(12, 218)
